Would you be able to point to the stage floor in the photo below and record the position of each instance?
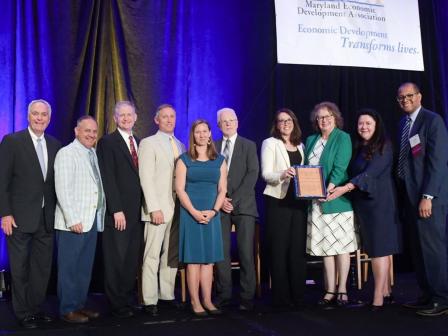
(312, 320)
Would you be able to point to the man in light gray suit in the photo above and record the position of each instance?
(79, 216)
(157, 155)
(239, 208)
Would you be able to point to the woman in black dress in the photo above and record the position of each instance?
(374, 199)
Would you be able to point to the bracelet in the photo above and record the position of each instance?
(215, 211)
(349, 188)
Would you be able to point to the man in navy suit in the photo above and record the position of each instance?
(123, 232)
(422, 171)
(27, 206)
(239, 208)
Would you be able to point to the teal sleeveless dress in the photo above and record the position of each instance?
(201, 243)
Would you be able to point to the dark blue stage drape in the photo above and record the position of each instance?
(198, 55)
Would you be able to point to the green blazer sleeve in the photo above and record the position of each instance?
(341, 153)
(334, 159)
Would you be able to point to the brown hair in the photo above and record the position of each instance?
(296, 134)
(334, 111)
(212, 154)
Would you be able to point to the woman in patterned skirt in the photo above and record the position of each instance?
(331, 230)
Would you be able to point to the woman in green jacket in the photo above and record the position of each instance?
(331, 230)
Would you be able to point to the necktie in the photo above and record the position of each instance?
(40, 156)
(133, 151)
(404, 146)
(226, 151)
(97, 178)
(174, 146)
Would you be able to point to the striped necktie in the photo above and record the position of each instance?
(404, 147)
(226, 150)
(133, 151)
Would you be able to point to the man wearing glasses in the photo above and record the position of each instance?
(239, 208)
(422, 169)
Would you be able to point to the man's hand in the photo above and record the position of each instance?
(8, 223)
(227, 206)
(425, 208)
(157, 217)
(120, 221)
(77, 228)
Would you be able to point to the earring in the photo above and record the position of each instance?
(209, 141)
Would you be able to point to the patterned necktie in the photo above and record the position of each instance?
(97, 178)
(40, 156)
(226, 151)
(133, 151)
(175, 149)
(404, 146)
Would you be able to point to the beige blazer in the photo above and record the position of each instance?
(275, 160)
(156, 170)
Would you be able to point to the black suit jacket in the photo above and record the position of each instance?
(426, 170)
(22, 186)
(243, 175)
(120, 177)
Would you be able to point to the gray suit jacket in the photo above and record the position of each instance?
(243, 176)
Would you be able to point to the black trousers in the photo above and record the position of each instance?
(245, 229)
(122, 252)
(30, 259)
(428, 242)
(286, 243)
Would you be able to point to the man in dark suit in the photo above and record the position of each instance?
(239, 208)
(27, 206)
(123, 233)
(422, 171)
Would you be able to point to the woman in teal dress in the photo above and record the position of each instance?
(201, 185)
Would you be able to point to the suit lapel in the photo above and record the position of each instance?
(166, 149)
(51, 152)
(236, 153)
(29, 148)
(284, 152)
(417, 123)
(121, 143)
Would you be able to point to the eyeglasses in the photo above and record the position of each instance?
(230, 121)
(326, 118)
(284, 121)
(406, 96)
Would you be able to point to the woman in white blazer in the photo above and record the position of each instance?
(285, 215)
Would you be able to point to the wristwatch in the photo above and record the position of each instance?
(428, 197)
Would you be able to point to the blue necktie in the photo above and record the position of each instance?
(404, 147)
(40, 156)
(97, 178)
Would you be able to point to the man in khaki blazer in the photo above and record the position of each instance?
(157, 156)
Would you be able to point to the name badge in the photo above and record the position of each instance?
(415, 144)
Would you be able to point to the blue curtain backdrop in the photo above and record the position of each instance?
(198, 55)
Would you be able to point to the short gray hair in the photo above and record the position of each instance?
(43, 101)
(161, 107)
(121, 103)
(224, 109)
(85, 117)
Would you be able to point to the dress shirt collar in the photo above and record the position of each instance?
(34, 137)
(232, 140)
